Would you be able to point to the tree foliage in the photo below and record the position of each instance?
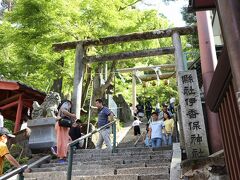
(29, 28)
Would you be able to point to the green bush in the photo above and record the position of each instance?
(8, 124)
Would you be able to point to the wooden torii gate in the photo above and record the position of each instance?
(144, 77)
(149, 77)
(81, 57)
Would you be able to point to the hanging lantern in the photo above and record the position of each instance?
(166, 82)
(154, 83)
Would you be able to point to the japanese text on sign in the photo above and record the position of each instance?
(193, 123)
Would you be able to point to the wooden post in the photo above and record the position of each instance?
(229, 16)
(134, 94)
(18, 115)
(178, 52)
(208, 65)
(105, 76)
(78, 79)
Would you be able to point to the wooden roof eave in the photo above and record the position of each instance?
(201, 5)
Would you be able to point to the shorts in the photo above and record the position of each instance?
(136, 130)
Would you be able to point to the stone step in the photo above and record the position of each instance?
(149, 161)
(143, 157)
(142, 171)
(93, 172)
(144, 149)
(115, 162)
(63, 176)
(121, 150)
(153, 177)
(122, 177)
(93, 155)
(103, 177)
(128, 161)
(122, 155)
(96, 166)
(90, 166)
(106, 154)
(59, 174)
(55, 175)
(87, 165)
(54, 164)
(167, 153)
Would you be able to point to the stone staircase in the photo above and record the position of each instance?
(134, 141)
(129, 162)
(126, 164)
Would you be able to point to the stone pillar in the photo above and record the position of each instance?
(134, 91)
(180, 128)
(179, 61)
(196, 144)
(78, 79)
(178, 52)
(229, 16)
(208, 64)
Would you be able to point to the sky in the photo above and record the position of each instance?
(172, 10)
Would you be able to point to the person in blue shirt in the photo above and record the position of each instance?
(155, 131)
(164, 110)
(104, 117)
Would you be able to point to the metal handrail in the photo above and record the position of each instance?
(21, 169)
(141, 135)
(70, 154)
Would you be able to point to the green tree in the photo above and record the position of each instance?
(28, 31)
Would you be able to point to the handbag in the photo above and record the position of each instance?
(65, 122)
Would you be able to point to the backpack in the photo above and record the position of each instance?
(62, 102)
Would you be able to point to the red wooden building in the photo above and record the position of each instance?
(15, 100)
(224, 93)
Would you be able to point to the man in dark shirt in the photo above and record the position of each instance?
(75, 132)
(148, 108)
(140, 110)
(104, 117)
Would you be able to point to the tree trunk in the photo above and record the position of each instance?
(57, 83)
(87, 85)
(98, 88)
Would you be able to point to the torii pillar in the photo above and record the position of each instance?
(134, 91)
(78, 80)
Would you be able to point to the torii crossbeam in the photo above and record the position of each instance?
(82, 58)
